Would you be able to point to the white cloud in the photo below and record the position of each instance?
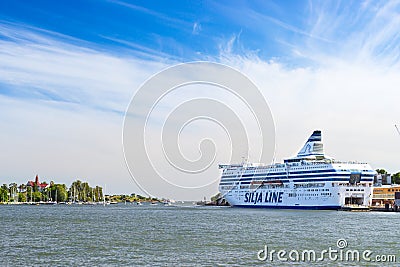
(355, 105)
(88, 78)
(366, 32)
(348, 86)
(55, 121)
(62, 108)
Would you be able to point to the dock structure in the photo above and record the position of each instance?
(384, 194)
(386, 198)
(355, 208)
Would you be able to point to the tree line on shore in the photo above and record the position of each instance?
(131, 198)
(78, 192)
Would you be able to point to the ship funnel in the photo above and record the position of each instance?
(313, 146)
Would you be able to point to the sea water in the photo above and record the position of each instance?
(188, 235)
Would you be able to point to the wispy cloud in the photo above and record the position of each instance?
(344, 84)
(196, 28)
(172, 21)
(145, 52)
(260, 17)
(361, 30)
(47, 67)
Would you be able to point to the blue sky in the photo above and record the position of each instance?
(68, 70)
(180, 29)
(183, 30)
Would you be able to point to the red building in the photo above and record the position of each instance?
(40, 186)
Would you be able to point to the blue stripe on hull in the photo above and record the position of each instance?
(291, 207)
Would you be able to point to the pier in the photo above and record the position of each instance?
(355, 208)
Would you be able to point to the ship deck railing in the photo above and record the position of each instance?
(282, 165)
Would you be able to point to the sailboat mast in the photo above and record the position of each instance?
(104, 195)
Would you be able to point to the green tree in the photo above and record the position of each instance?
(29, 191)
(81, 191)
(75, 190)
(85, 192)
(62, 194)
(37, 196)
(22, 187)
(3, 195)
(35, 188)
(140, 197)
(58, 192)
(396, 178)
(381, 171)
(5, 187)
(98, 194)
(216, 197)
(22, 197)
(44, 195)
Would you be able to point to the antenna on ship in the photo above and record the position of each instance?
(397, 129)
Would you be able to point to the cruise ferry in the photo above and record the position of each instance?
(311, 180)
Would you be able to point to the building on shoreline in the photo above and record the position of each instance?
(383, 179)
(40, 186)
(384, 194)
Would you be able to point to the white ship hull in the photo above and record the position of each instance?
(326, 197)
(304, 182)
